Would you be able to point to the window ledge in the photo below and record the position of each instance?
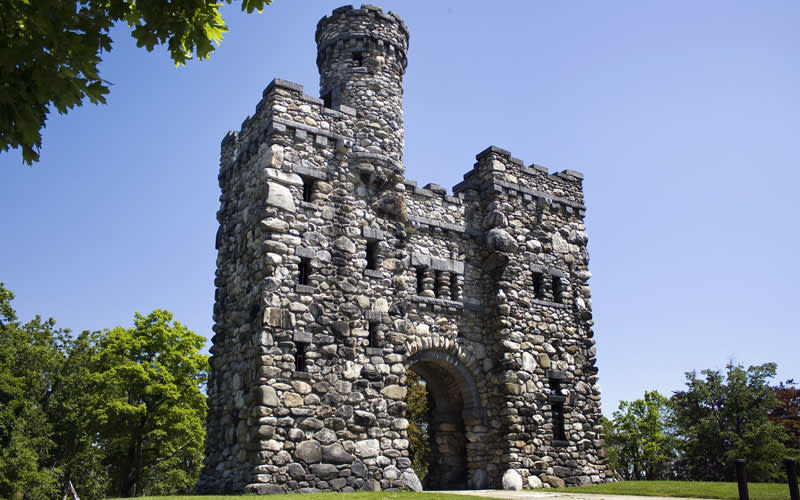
(437, 301)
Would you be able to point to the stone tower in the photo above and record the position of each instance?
(336, 275)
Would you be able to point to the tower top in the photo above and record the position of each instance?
(346, 25)
(361, 56)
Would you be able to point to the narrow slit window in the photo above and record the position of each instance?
(308, 186)
(372, 338)
(557, 408)
(557, 289)
(420, 278)
(538, 285)
(300, 356)
(559, 434)
(372, 254)
(327, 99)
(358, 59)
(305, 270)
(436, 282)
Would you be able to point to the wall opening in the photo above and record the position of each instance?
(557, 289)
(557, 400)
(418, 414)
(538, 285)
(300, 356)
(372, 334)
(372, 254)
(327, 99)
(453, 411)
(304, 269)
(308, 187)
(420, 278)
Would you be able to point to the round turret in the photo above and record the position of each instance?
(361, 56)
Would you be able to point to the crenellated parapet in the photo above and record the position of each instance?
(497, 171)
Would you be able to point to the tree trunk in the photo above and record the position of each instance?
(131, 471)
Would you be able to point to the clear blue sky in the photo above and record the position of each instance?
(683, 116)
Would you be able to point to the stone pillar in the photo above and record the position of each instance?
(457, 287)
(443, 284)
(428, 282)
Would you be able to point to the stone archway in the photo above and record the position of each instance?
(456, 424)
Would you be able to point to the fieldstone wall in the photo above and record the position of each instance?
(335, 275)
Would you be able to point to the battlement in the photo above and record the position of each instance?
(354, 16)
(496, 170)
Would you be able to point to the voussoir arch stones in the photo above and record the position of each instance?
(448, 345)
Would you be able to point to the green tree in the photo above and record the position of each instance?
(45, 397)
(53, 49)
(28, 358)
(639, 440)
(787, 413)
(80, 457)
(115, 411)
(722, 417)
(152, 416)
(418, 418)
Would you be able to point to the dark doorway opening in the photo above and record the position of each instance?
(450, 390)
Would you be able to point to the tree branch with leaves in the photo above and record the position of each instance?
(52, 50)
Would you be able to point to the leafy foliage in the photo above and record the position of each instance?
(28, 357)
(639, 439)
(113, 412)
(53, 49)
(722, 417)
(418, 417)
(152, 417)
(787, 413)
(74, 396)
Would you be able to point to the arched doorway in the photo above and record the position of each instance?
(455, 414)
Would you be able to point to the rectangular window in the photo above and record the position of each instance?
(372, 254)
(300, 356)
(308, 186)
(557, 406)
(538, 285)
(358, 59)
(305, 270)
(420, 278)
(372, 339)
(559, 434)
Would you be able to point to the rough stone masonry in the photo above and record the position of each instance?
(336, 275)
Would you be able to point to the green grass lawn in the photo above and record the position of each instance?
(688, 489)
(361, 495)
